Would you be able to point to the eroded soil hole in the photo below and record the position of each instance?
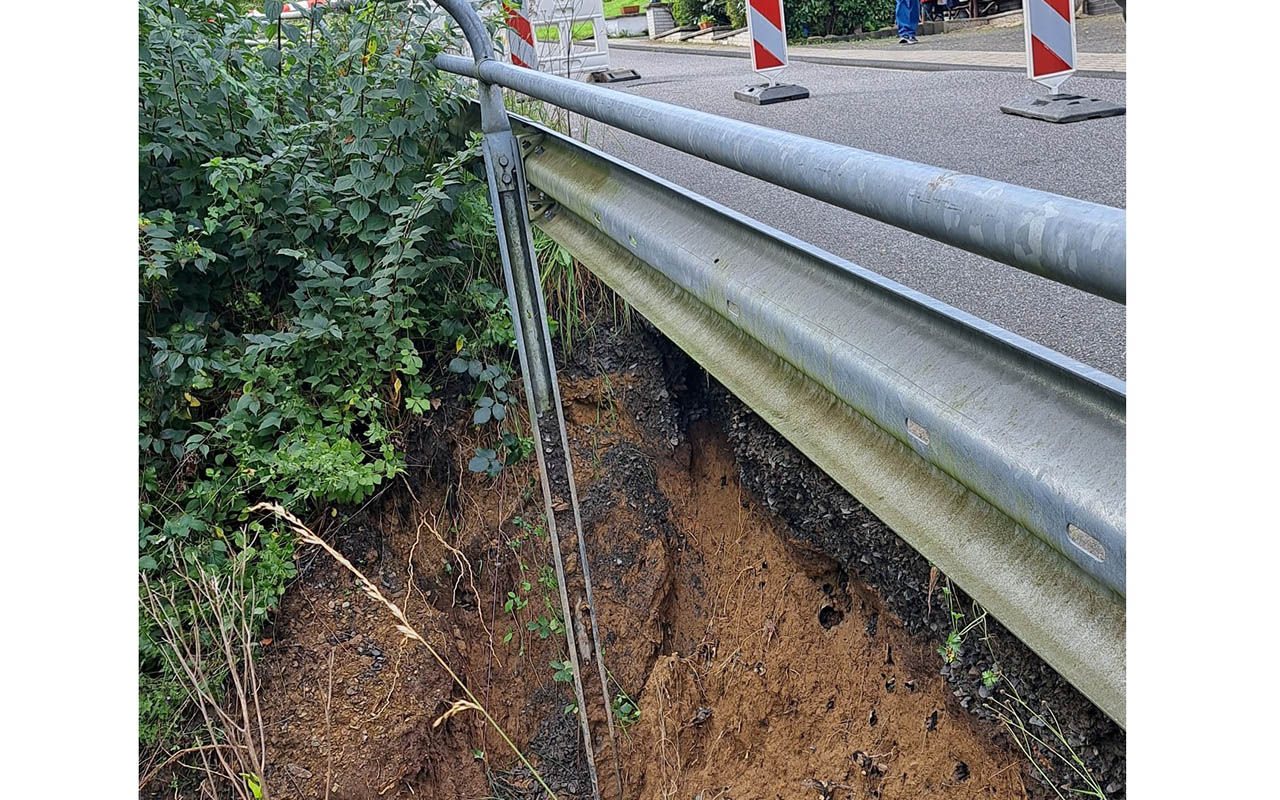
(829, 617)
(753, 664)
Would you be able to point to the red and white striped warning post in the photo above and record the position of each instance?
(767, 27)
(293, 10)
(1051, 41)
(522, 47)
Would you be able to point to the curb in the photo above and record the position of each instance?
(813, 58)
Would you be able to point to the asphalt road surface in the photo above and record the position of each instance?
(949, 119)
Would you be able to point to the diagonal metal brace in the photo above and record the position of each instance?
(505, 177)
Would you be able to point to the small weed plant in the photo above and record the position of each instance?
(1037, 734)
(952, 646)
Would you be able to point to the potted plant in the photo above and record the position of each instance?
(706, 22)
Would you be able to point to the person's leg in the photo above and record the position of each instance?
(906, 22)
(915, 17)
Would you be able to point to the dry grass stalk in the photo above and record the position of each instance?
(221, 614)
(328, 743)
(1034, 748)
(464, 568)
(174, 757)
(406, 629)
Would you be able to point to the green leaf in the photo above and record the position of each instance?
(270, 57)
(359, 210)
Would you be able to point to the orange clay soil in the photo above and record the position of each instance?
(759, 671)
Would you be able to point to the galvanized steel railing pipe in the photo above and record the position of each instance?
(1071, 241)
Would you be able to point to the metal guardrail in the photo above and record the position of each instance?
(1071, 241)
(983, 450)
(999, 460)
(1036, 434)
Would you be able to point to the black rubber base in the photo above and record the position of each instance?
(614, 76)
(1062, 108)
(762, 94)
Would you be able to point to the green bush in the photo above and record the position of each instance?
(308, 225)
(686, 12)
(736, 11)
(836, 17)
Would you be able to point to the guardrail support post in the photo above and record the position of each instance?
(504, 170)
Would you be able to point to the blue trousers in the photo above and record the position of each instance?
(908, 14)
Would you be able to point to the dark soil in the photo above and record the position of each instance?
(779, 641)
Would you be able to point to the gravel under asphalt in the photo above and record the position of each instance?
(950, 119)
(1101, 34)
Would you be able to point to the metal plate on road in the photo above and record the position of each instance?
(763, 94)
(1063, 108)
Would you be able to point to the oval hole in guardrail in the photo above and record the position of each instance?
(597, 217)
(917, 432)
(1081, 539)
(733, 307)
(632, 239)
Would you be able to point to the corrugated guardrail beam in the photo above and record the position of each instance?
(1071, 241)
(992, 456)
